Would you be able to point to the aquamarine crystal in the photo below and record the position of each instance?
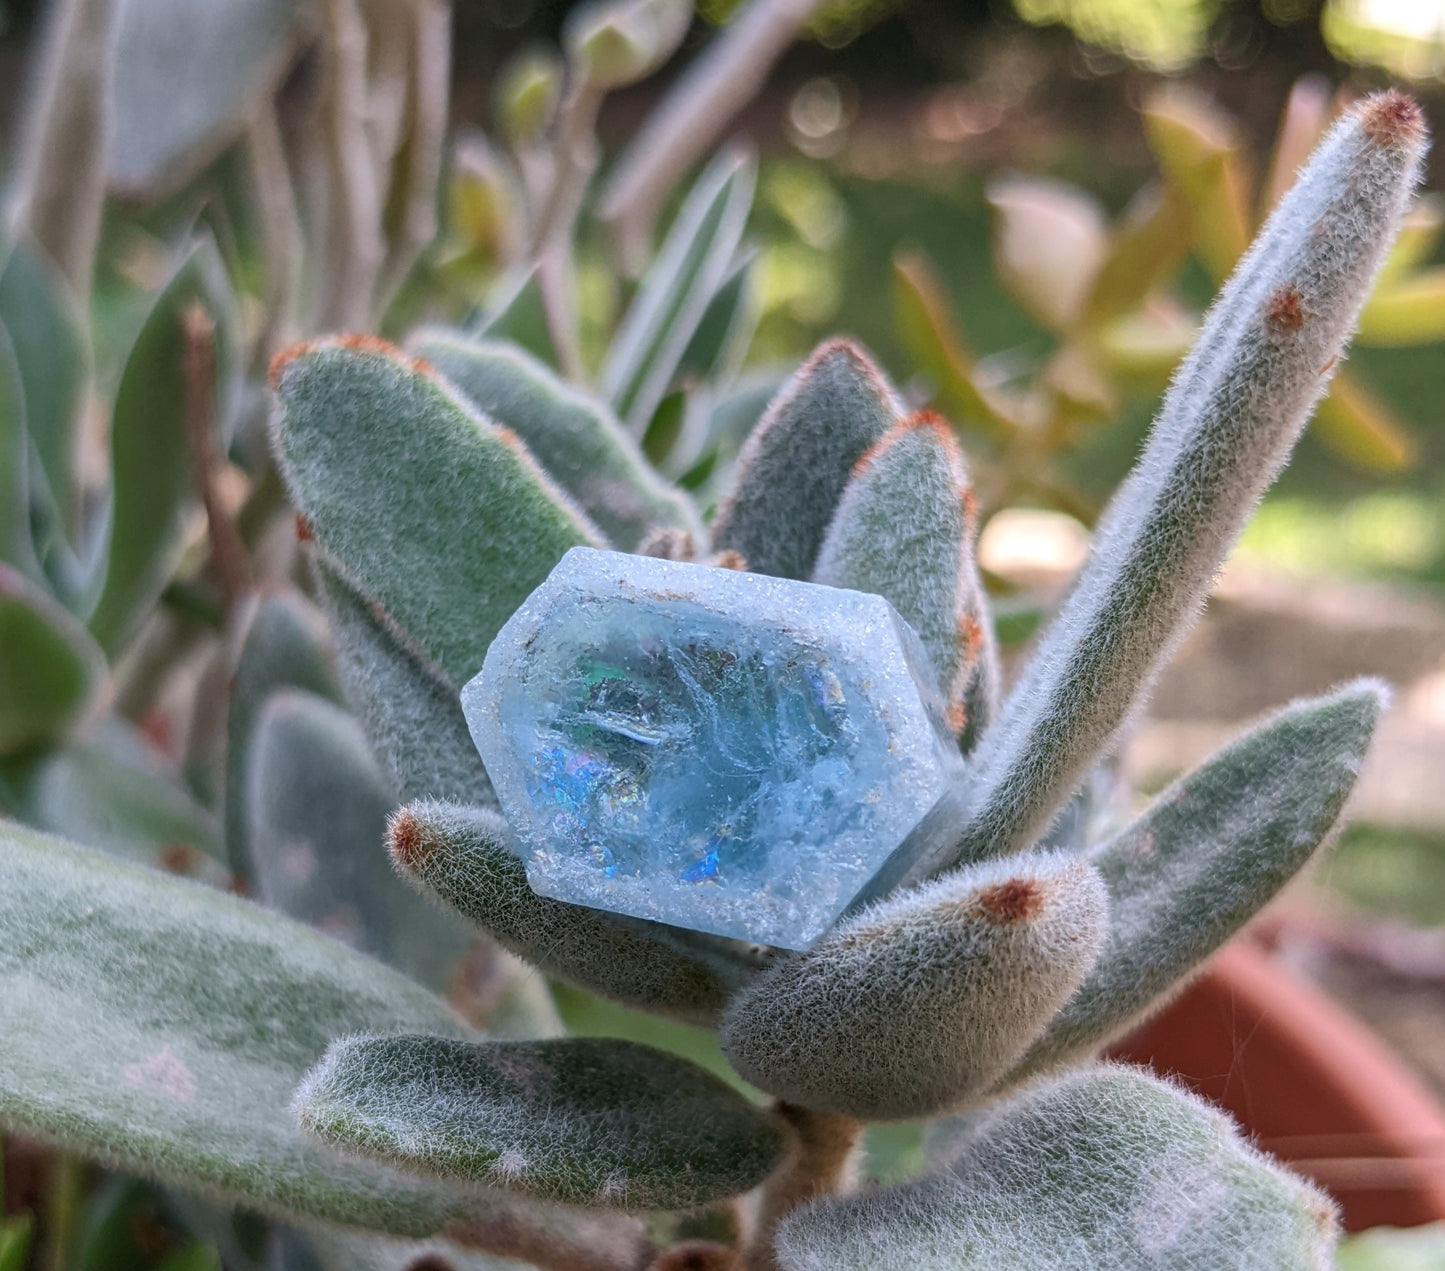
(716, 750)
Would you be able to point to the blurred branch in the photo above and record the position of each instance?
(693, 113)
(822, 1163)
(411, 215)
(282, 242)
(59, 184)
(353, 243)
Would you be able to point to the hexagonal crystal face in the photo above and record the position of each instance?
(716, 750)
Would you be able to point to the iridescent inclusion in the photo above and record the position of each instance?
(716, 750)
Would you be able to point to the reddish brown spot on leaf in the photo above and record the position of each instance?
(408, 842)
(956, 717)
(179, 858)
(932, 420)
(1392, 118)
(282, 357)
(1285, 311)
(304, 532)
(1017, 900)
(368, 344)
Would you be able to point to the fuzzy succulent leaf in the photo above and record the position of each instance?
(433, 511)
(109, 792)
(161, 1026)
(578, 442)
(1227, 425)
(187, 76)
(921, 1003)
(904, 530)
(695, 262)
(797, 461)
(51, 672)
(463, 857)
(52, 355)
(1208, 855)
(316, 809)
(412, 716)
(149, 445)
(580, 1120)
(1105, 1169)
(285, 646)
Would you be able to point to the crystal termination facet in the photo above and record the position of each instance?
(716, 750)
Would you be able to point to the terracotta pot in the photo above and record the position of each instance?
(1309, 1083)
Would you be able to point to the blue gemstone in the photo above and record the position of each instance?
(717, 750)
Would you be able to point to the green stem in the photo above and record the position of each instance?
(66, 1186)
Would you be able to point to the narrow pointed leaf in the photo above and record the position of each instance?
(1358, 425)
(462, 856)
(285, 645)
(581, 1120)
(1102, 1170)
(412, 717)
(1211, 852)
(433, 511)
(316, 808)
(578, 442)
(188, 74)
(1407, 312)
(920, 1004)
(52, 353)
(726, 326)
(51, 672)
(149, 447)
(929, 332)
(16, 547)
(904, 530)
(111, 793)
(675, 293)
(1048, 246)
(1145, 250)
(1226, 427)
(792, 471)
(521, 317)
(161, 1026)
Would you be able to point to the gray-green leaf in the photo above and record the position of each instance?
(1236, 407)
(463, 857)
(578, 442)
(581, 1120)
(51, 671)
(431, 510)
(1102, 1170)
(793, 469)
(149, 445)
(161, 1026)
(921, 1003)
(1208, 855)
(904, 530)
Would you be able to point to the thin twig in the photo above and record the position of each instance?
(229, 564)
(282, 242)
(416, 169)
(60, 173)
(353, 244)
(693, 113)
(822, 1162)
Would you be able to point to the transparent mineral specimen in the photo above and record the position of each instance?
(716, 750)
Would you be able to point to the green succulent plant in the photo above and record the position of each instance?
(376, 1076)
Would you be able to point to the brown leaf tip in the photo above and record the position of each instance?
(730, 558)
(304, 531)
(281, 358)
(1392, 118)
(667, 542)
(929, 420)
(1284, 311)
(408, 842)
(956, 716)
(1015, 901)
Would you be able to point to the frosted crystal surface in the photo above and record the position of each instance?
(717, 750)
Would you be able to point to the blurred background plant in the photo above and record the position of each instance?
(193, 184)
